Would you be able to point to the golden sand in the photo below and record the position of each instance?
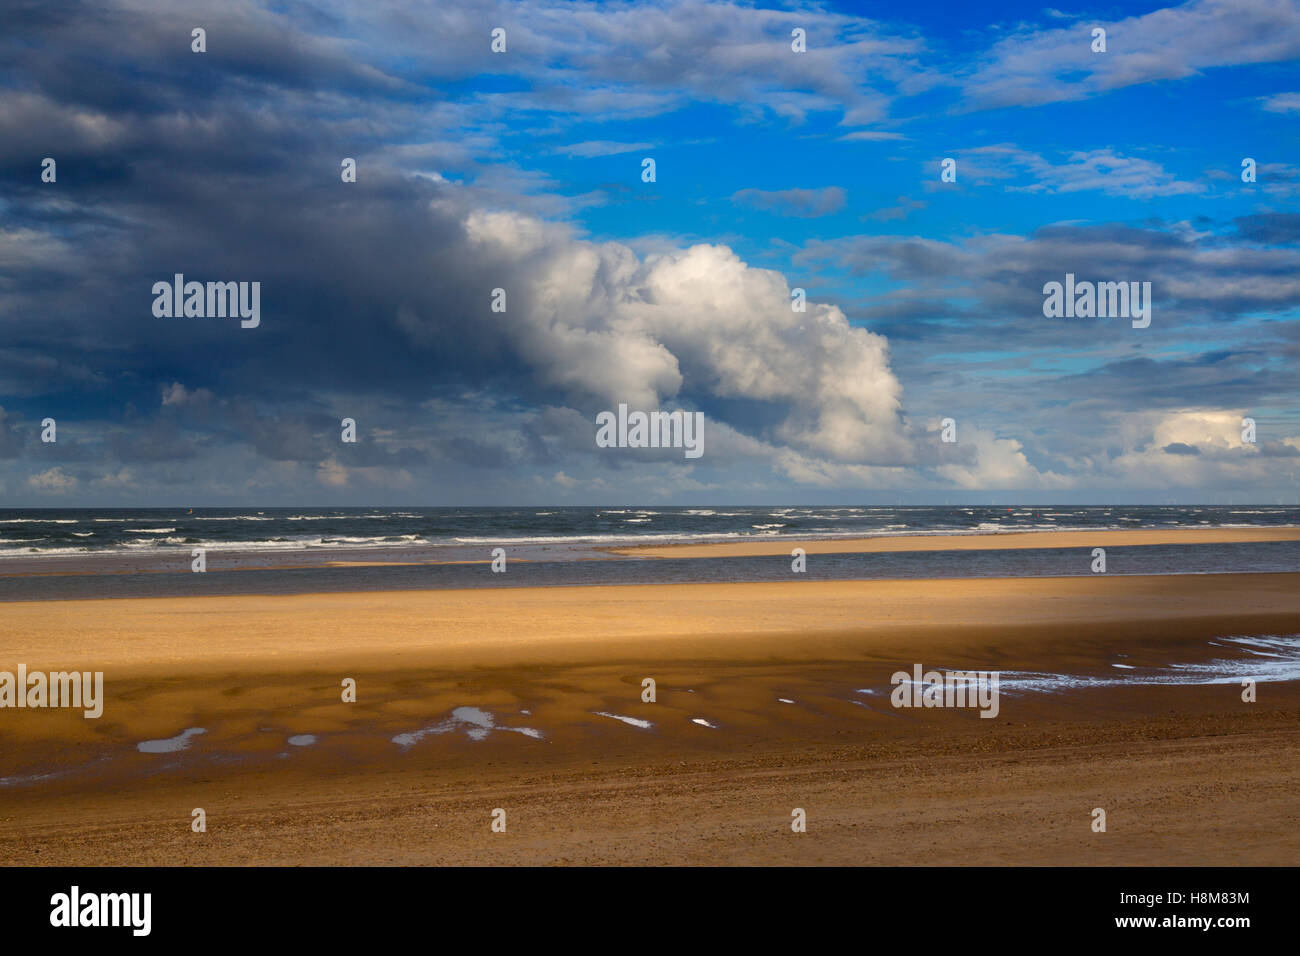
(1191, 774)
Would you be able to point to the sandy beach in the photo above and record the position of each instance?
(769, 697)
(666, 423)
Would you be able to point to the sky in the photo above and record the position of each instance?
(524, 170)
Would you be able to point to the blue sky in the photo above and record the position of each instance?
(775, 169)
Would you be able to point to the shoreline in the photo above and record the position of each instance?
(960, 541)
(177, 560)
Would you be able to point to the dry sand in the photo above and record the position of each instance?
(1187, 774)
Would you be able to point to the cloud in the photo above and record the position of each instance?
(1190, 448)
(1194, 428)
(564, 59)
(1101, 170)
(1281, 103)
(333, 474)
(871, 136)
(52, 481)
(122, 478)
(697, 325)
(1032, 67)
(377, 294)
(965, 324)
(803, 203)
(999, 462)
(601, 147)
(904, 207)
(1270, 228)
(178, 394)
(1204, 278)
(12, 438)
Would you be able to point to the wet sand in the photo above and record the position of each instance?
(1188, 774)
(999, 541)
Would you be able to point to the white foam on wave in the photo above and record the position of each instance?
(21, 552)
(238, 518)
(302, 740)
(703, 723)
(602, 538)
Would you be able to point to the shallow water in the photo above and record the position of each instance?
(170, 744)
(634, 721)
(476, 723)
(106, 578)
(1268, 659)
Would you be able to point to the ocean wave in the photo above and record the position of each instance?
(602, 538)
(40, 552)
(237, 518)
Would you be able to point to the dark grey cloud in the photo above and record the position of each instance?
(375, 295)
(1270, 228)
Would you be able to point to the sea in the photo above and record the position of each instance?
(78, 553)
